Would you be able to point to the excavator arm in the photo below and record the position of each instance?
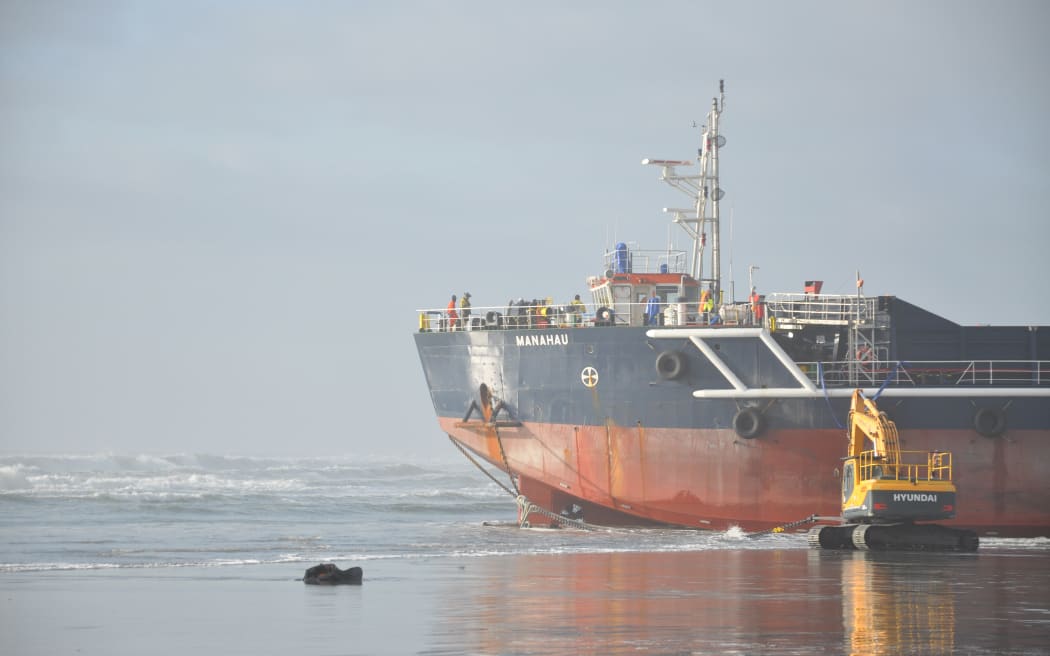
(868, 424)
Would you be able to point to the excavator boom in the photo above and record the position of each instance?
(868, 423)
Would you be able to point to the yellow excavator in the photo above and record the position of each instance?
(886, 490)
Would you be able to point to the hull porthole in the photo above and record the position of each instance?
(670, 365)
(749, 423)
(989, 422)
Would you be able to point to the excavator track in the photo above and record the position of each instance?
(859, 537)
(831, 537)
(893, 537)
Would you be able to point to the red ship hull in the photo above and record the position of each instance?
(713, 479)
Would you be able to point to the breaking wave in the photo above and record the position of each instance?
(186, 478)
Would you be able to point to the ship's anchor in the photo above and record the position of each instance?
(489, 414)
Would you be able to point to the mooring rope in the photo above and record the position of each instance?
(525, 507)
(900, 365)
(827, 399)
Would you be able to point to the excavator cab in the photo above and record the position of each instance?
(848, 480)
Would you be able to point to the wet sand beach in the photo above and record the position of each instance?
(792, 601)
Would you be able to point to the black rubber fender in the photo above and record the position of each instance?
(749, 423)
(493, 319)
(604, 316)
(989, 422)
(671, 365)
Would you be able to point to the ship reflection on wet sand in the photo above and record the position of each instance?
(748, 601)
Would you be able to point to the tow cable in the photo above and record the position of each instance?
(812, 519)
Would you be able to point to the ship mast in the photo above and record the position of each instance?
(707, 200)
(702, 219)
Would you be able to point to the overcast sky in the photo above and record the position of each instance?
(218, 219)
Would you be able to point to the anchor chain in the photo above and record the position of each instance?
(503, 454)
(526, 508)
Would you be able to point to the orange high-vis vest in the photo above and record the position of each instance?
(756, 307)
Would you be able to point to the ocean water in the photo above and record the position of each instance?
(113, 511)
(123, 549)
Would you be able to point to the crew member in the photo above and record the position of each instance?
(705, 301)
(577, 308)
(543, 313)
(453, 317)
(756, 307)
(652, 309)
(464, 310)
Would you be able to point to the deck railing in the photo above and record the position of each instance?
(541, 316)
(834, 309)
(646, 261)
(930, 373)
(529, 317)
(867, 373)
(913, 466)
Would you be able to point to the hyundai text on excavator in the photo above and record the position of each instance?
(886, 490)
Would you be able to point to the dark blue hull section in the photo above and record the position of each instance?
(539, 376)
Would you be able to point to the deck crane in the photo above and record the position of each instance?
(885, 491)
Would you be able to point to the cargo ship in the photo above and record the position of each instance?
(665, 401)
